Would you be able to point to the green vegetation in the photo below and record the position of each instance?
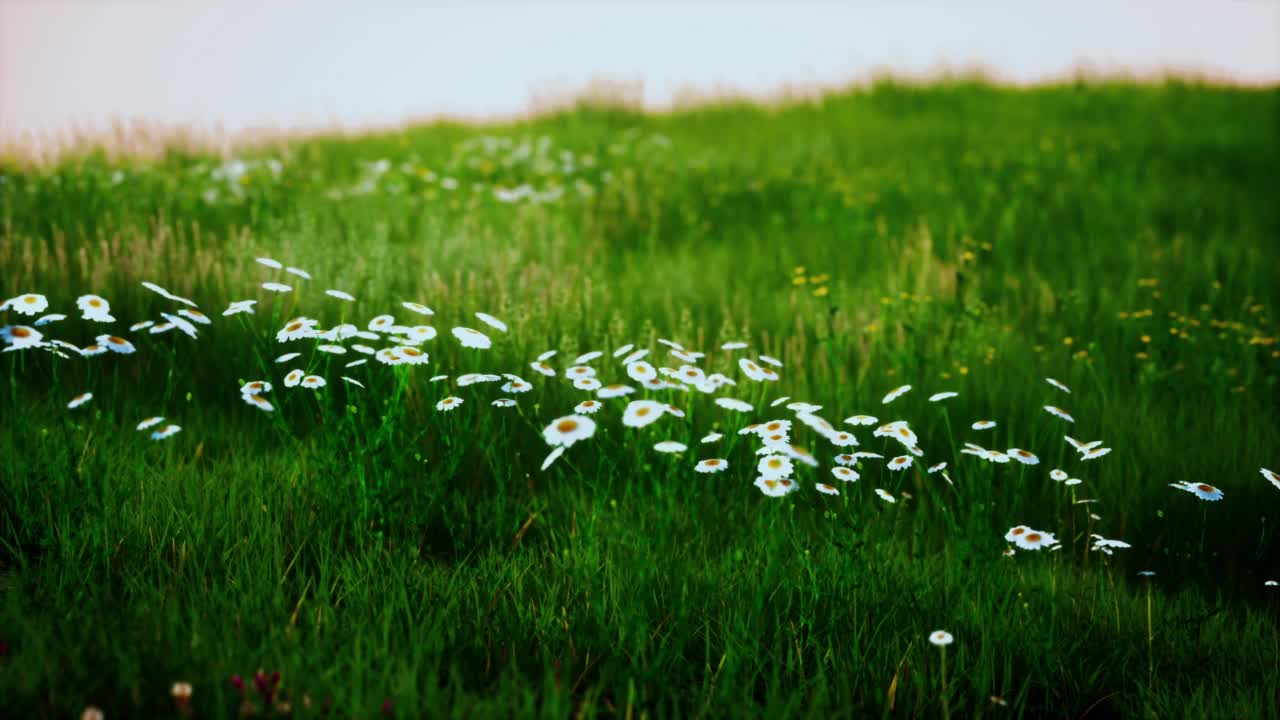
(1123, 239)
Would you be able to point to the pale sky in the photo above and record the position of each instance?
(325, 62)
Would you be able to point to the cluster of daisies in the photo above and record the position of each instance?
(777, 460)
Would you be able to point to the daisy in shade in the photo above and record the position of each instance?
(984, 425)
(886, 496)
(508, 402)
(711, 437)
(140, 326)
(93, 350)
(195, 316)
(491, 321)
(166, 294)
(542, 368)
(258, 401)
(29, 304)
(298, 272)
(240, 306)
(257, 387)
(938, 397)
(552, 456)
(937, 468)
(624, 350)
(312, 382)
(670, 446)
(1058, 385)
(276, 287)
(1106, 545)
(775, 467)
(1270, 477)
(1201, 490)
(735, 345)
(21, 336)
(1016, 532)
(587, 357)
(1072, 481)
(116, 344)
(1058, 475)
(642, 412)
(902, 462)
(293, 378)
(941, 638)
(448, 403)
(861, 420)
(568, 430)
(95, 308)
(287, 357)
(167, 431)
(1094, 453)
(846, 459)
(635, 356)
(1035, 540)
(845, 474)
(1081, 447)
(1023, 456)
(418, 308)
(340, 295)
(612, 391)
(588, 407)
(79, 400)
(826, 489)
(713, 465)
(273, 264)
(472, 338)
(895, 393)
(641, 371)
(734, 404)
(995, 456)
(1059, 413)
(150, 422)
(752, 370)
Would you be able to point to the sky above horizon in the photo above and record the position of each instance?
(289, 64)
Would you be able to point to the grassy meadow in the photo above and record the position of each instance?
(389, 558)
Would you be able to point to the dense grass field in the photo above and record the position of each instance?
(388, 557)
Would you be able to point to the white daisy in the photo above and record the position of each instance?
(93, 350)
(588, 407)
(1015, 532)
(735, 345)
(298, 272)
(181, 323)
(612, 391)
(195, 316)
(50, 318)
(772, 361)
(287, 357)
(734, 404)
(641, 371)
(635, 356)
(1035, 539)
(491, 321)
(984, 425)
(258, 401)
(671, 344)
(29, 304)
(670, 446)
(779, 401)
(273, 264)
(256, 387)
(116, 344)
(711, 437)
(861, 420)
(938, 397)
(826, 489)
(775, 466)
(79, 400)
(95, 308)
(642, 412)
(418, 308)
(503, 403)
(449, 403)
(312, 382)
(587, 357)
(1082, 447)
(568, 430)
(1058, 475)
(150, 422)
(941, 638)
(690, 375)
(937, 468)
(1023, 456)
(339, 294)
(673, 410)
(845, 474)
(552, 456)
(21, 336)
(516, 385)
(240, 306)
(1059, 413)
(587, 383)
(902, 462)
(578, 371)
(167, 431)
(140, 326)
(895, 393)
(1072, 481)
(1058, 385)
(841, 439)
(686, 356)
(752, 370)
(886, 496)
(276, 287)
(472, 338)
(995, 456)
(803, 408)
(623, 350)
(775, 488)
(1270, 477)
(1094, 453)
(166, 294)
(714, 465)
(293, 378)
(543, 368)
(1203, 491)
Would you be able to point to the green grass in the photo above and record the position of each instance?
(1120, 238)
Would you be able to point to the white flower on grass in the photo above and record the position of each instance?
(670, 446)
(587, 357)
(826, 489)
(167, 431)
(687, 356)
(624, 350)
(258, 401)
(588, 407)
(775, 487)
(642, 412)
(775, 467)
(1200, 490)
(472, 338)
(1059, 413)
(21, 336)
(938, 397)
(95, 308)
(256, 387)
(29, 304)
(845, 474)
(779, 401)
(166, 294)
(1106, 545)
(116, 344)
(803, 408)
(542, 368)
(503, 403)
(941, 638)
(861, 420)
(298, 272)
(734, 404)
(340, 295)
(293, 378)
(273, 264)
(1058, 475)
(984, 425)
(331, 349)
(937, 468)
(587, 383)
(491, 321)
(312, 382)
(356, 363)
(516, 385)
(752, 370)
(419, 334)
(552, 456)
(79, 400)
(841, 439)
(181, 323)
(382, 323)
(150, 422)
(735, 345)
(1095, 453)
(886, 496)
(1034, 539)
(635, 356)
(714, 465)
(93, 350)
(240, 306)
(287, 357)
(1058, 385)
(473, 378)
(613, 391)
(1023, 456)
(1072, 481)
(902, 462)
(195, 316)
(437, 378)
(1271, 477)
(641, 371)
(711, 437)
(690, 375)
(846, 460)
(671, 344)
(580, 371)
(418, 308)
(895, 393)
(139, 326)
(568, 430)
(770, 360)
(449, 403)
(276, 287)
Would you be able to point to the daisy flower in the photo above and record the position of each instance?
(984, 425)
(95, 308)
(941, 638)
(902, 462)
(578, 371)
(686, 356)
(276, 287)
(382, 323)
(29, 304)
(472, 338)
(568, 430)
(690, 375)
(139, 326)
(670, 446)
(449, 403)
(116, 344)
(257, 387)
(1023, 456)
(711, 437)
(995, 456)
(1104, 544)
(635, 356)
(1058, 475)
(331, 349)
(93, 350)
(419, 334)
(735, 345)
(516, 385)
(1072, 481)
(1203, 491)
(47, 319)
(938, 397)
(886, 496)
(612, 391)
(195, 316)
(845, 474)
(779, 401)
(181, 323)
(1035, 540)
(587, 383)
(734, 404)
(842, 439)
(21, 336)
(150, 422)
(937, 468)
(861, 420)
(166, 294)
(1059, 413)
(313, 382)
(79, 400)
(1016, 532)
(1096, 452)
(895, 393)
(287, 357)
(167, 431)
(771, 360)
(552, 456)
(240, 306)
(542, 368)
(1082, 447)
(588, 407)
(642, 412)
(491, 321)
(414, 356)
(547, 355)
(671, 344)
(1058, 385)
(1270, 477)
(418, 308)
(775, 467)
(846, 459)
(340, 295)
(273, 264)
(293, 378)
(641, 371)
(803, 408)
(713, 465)
(587, 357)
(508, 402)
(826, 489)
(623, 350)
(298, 272)
(752, 370)
(258, 401)
(773, 488)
